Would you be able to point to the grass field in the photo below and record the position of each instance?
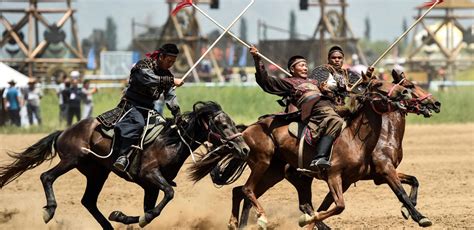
(246, 104)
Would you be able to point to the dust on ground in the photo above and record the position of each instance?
(440, 156)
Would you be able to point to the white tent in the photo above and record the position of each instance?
(7, 74)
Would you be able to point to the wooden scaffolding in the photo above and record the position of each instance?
(184, 30)
(333, 27)
(446, 16)
(32, 48)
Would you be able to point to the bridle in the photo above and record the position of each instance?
(414, 104)
(219, 135)
(384, 98)
(212, 135)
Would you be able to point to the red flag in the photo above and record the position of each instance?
(429, 4)
(181, 5)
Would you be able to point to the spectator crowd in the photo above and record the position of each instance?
(75, 101)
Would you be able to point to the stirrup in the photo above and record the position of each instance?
(121, 164)
(321, 164)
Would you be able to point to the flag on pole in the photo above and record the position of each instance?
(181, 5)
(431, 3)
(91, 64)
(243, 57)
(231, 54)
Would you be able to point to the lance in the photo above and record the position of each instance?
(189, 3)
(239, 40)
(431, 4)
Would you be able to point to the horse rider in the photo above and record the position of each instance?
(301, 91)
(334, 81)
(149, 78)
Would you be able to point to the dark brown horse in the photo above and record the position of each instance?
(386, 156)
(160, 161)
(269, 138)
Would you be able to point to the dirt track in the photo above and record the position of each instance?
(440, 156)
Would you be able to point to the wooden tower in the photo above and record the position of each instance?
(333, 27)
(30, 56)
(445, 38)
(184, 30)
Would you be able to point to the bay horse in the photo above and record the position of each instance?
(386, 157)
(160, 161)
(269, 138)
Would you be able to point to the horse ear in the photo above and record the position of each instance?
(397, 76)
(365, 79)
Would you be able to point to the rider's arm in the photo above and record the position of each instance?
(270, 84)
(148, 78)
(172, 102)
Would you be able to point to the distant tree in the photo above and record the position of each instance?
(367, 28)
(243, 29)
(293, 25)
(111, 34)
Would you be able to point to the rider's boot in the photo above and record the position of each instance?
(121, 163)
(323, 149)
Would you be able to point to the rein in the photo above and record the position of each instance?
(208, 126)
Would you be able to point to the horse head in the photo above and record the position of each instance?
(422, 102)
(383, 96)
(218, 128)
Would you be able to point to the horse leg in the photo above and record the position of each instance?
(413, 182)
(302, 185)
(156, 179)
(336, 189)
(249, 190)
(96, 178)
(149, 202)
(328, 200)
(393, 181)
(273, 175)
(47, 179)
(237, 196)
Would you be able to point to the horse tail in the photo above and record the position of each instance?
(224, 169)
(41, 151)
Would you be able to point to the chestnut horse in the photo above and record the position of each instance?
(386, 157)
(269, 138)
(160, 160)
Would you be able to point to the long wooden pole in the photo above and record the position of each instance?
(397, 41)
(240, 40)
(404, 34)
(217, 40)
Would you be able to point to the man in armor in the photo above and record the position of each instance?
(149, 78)
(334, 82)
(306, 95)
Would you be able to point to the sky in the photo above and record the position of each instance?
(386, 16)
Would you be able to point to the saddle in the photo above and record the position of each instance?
(155, 123)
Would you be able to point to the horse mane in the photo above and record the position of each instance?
(191, 121)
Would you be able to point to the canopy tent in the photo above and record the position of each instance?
(7, 74)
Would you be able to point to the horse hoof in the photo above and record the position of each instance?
(262, 223)
(304, 220)
(115, 216)
(142, 221)
(47, 215)
(405, 213)
(425, 222)
(231, 226)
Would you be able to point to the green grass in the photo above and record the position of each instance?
(245, 105)
(466, 75)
